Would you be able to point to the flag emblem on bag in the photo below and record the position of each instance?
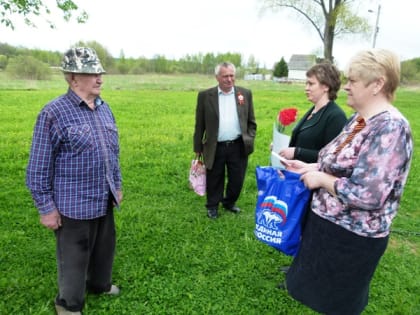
(274, 212)
(281, 205)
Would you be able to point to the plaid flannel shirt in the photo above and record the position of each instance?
(74, 159)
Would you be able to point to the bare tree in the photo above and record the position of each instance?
(330, 18)
(29, 9)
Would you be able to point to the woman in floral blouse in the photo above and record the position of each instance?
(357, 183)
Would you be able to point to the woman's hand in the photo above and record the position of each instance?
(287, 153)
(300, 167)
(312, 179)
(317, 179)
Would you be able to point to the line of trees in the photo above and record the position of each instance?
(35, 64)
(22, 62)
(329, 18)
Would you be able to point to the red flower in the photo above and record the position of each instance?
(241, 99)
(286, 117)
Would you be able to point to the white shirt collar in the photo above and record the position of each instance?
(224, 93)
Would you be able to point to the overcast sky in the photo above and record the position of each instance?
(177, 28)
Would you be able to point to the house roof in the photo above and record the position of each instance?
(301, 62)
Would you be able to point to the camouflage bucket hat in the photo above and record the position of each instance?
(81, 60)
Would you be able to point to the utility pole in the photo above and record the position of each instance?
(375, 33)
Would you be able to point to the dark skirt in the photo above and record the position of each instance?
(333, 268)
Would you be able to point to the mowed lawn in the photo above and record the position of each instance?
(171, 259)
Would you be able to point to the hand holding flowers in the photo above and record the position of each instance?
(281, 141)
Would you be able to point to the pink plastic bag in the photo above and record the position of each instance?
(197, 177)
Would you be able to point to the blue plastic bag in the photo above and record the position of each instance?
(281, 205)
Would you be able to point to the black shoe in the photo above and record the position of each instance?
(284, 269)
(233, 209)
(212, 213)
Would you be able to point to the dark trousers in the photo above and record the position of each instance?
(85, 255)
(231, 158)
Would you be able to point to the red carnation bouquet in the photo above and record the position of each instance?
(285, 118)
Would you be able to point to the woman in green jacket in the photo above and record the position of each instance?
(323, 121)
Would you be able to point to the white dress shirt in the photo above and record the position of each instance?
(229, 128)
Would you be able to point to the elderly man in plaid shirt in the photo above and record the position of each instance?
(75, 180)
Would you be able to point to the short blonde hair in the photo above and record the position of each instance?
(373, 64)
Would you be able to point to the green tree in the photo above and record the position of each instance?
(330, 18)
(7, 50)
(122, 64)
(252, 65)
(208, 63)
(3, 62)
(410, 70)
(140, 66)
(10, 9)
(234, 58)
(160, 64)
(190, 63)
(51, 58)
(28, 67)
(281, 70)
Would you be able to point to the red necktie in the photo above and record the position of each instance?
(360, 125)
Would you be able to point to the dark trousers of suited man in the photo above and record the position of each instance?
(229, 160)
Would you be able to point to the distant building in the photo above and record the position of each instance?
(254, 76)
(257, 77)
(299, 64)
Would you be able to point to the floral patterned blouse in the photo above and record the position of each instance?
(372, 170)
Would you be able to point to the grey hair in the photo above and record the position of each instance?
(224, 65)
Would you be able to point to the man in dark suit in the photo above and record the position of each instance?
(224, 134)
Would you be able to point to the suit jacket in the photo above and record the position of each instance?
(207, 122)
(310, 136)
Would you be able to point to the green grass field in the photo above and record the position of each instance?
(171, 259)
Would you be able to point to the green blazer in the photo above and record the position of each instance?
(207, 122)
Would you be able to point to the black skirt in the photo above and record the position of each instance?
(333, 268)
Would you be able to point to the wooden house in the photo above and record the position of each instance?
(298, 65)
